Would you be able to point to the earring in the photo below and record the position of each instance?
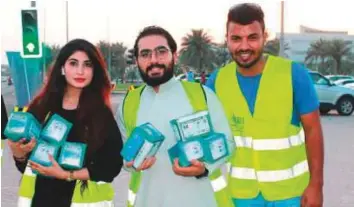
(62, 71)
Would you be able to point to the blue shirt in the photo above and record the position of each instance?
(304, 93)
(190, 76)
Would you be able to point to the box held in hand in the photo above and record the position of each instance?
(56, 130)
(72, 155)
(22, 125)
(40, 153)
(215, 147)
(144, 142)
(186, 152)
(192, 126)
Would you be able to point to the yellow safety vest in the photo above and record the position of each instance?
(270, 155)
(97, 194)
(197, 99)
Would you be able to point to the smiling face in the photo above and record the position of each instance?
(78, 70)
(245, 43)
(155, 60)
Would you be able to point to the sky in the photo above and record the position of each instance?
(121, 20)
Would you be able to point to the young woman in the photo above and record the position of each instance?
(78, 89)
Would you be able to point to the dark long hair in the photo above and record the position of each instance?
(94, 99)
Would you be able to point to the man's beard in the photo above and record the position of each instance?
(155, 81)
(249, 64)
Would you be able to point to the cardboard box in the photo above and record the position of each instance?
(56, 130)
(144, 142)
(72, 155)
(22, 125)
(208, 149)
(187, 151)
(192, 126)
(40, 153)
(215, 147)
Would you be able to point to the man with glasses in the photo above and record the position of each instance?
(158, 182)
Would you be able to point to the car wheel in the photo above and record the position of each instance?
(345, 106)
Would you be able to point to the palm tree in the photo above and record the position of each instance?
(318, 50)
(197, 50)
(272, 47)
(222, 55)
(338, 50)
(329, 51)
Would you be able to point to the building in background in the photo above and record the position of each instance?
(299, 43)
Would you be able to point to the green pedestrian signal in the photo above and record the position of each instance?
(31, 45)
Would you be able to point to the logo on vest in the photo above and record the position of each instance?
(237, 123)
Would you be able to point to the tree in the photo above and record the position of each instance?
(272, 47)
(338, 50)
(222, 55)
(197, 50)
(318, 50)
(331, 54)
(114, 58)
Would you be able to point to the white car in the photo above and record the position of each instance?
(348, 83)
(334, 78)
(332, 96)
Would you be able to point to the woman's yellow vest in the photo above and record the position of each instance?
(270, 155)
(197, 99)
(97, 194)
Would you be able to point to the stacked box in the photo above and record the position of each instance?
(40, 153)
(56, 130)
(187, 151)
(72, 155)
(22, 125)
(192, 126)
(215, 147)
(196, 140)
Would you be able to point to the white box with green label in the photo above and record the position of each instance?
(192, 126)
(215, 147)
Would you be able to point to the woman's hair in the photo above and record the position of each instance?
(94, 99)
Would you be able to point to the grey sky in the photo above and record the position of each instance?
(121, 20)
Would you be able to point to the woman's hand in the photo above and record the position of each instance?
(21, 149)
(53, 171)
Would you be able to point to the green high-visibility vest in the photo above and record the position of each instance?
(270, 155)
(197, 99)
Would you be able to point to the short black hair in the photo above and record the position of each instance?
(246, 13)
(155, 30)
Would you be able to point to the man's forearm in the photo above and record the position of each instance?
(315, 153)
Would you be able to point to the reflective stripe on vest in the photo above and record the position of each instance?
(96, 195)
(26, 202)
(271, 175)
(197, 99)
(131, 197)
(270, 144)
(270, 153)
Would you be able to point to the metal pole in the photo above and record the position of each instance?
(67, 20)
(281, 40)
(109, 46)
(27, 85)
(44, 40)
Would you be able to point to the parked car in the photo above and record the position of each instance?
(197, 77)
(332, 96)
(334, 78)
(348, 83)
